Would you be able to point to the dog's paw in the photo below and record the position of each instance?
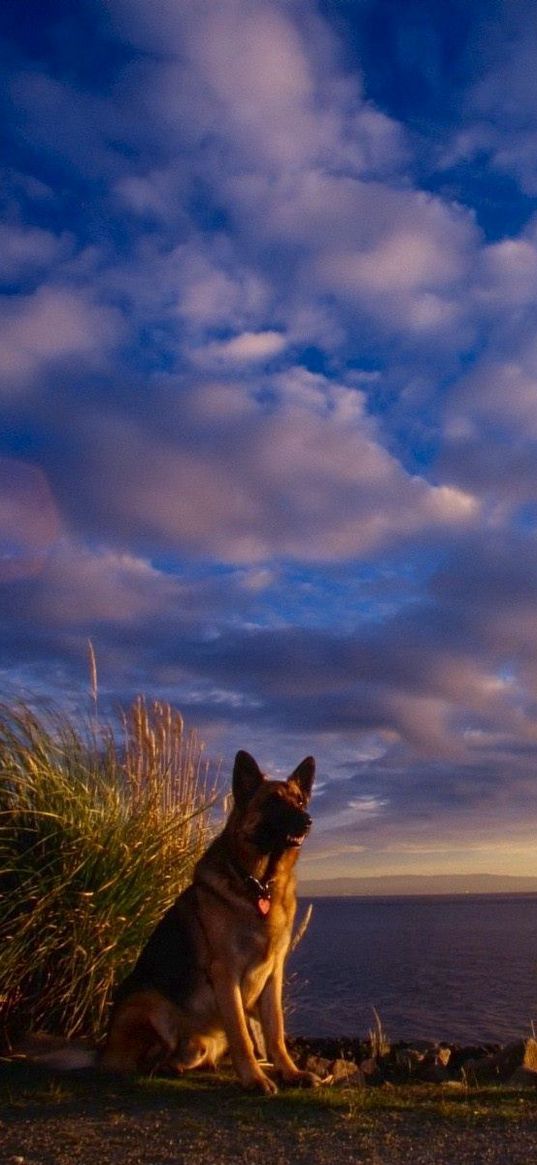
(300, 1079)
(261, 1083)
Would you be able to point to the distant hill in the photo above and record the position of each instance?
(408, 884)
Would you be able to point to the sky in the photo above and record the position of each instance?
(268, 396)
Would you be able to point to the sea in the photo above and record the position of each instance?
(461, 969)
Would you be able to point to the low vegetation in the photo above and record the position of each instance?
(203, 1118)
(97, 837)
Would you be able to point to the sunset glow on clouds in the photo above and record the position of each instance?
(268, 381)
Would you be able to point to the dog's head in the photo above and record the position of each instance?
(273, 813)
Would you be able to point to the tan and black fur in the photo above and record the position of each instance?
(217, 957)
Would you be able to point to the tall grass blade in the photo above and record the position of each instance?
(97, 838)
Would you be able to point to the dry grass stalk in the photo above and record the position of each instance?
(96, 840)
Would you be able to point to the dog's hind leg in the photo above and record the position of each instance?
(143, 1030)
(197, 1052)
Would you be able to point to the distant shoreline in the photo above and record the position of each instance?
(418, 886)
(382, 895)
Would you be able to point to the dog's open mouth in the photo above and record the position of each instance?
(295, 840)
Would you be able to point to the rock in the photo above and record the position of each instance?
(432, 1069)
(524, 1078)
(422, 1046)
(443, 1054)
(339, 1072)
(407, 1059)
(426, 1063)
(496, 1068)
(330, 1048)
(319, 1065)
(432, 1074)
(352, 1062)
(460, 1057)
(370, 1070)
(346, 1073)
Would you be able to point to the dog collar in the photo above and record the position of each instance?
(260, 891)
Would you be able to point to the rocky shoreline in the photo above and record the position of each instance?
(363, 1063)
(357, 1062)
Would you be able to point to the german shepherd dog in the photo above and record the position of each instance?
(217, 956)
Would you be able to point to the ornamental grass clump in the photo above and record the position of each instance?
(97, 838)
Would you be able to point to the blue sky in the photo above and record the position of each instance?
(268, 383)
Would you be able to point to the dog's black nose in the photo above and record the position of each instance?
(307, 820)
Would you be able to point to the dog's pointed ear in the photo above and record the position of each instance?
(304, 776)
(247, 777)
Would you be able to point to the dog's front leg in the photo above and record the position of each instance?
(230, 1005)
(271, 1016)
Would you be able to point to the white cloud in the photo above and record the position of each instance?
(302, 476)
(83, 586)
(507, 276)
(498, 113)
(253, 107)
(28, 249)
(148, 194)
(30, 521)
(246, 348)
(404, 258)
(213, 286)
(264, 79)
(52, 325)
(499, 393)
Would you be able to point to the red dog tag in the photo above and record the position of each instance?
(263, 905)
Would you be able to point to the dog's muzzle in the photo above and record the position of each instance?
(282, 830)
(296, 839)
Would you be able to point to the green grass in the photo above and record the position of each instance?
(204, 1118)
(203, 1094)
(97, 838)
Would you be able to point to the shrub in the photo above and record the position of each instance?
(97, 838)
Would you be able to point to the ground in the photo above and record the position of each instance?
(84, 1120)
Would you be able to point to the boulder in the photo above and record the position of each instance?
(433, 1066)
(496, 1068)
(524, 1078)
(347, 1074)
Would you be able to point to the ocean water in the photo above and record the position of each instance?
(461, 969)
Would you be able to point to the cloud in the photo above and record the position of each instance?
(295, 472)
(494, 127)
(29, 250)
(246, 348)
(508, 274)
(83, 587)
(30, 522)
(268, 80)
(50, 326)
(69, 122)
(275, 391)
(287, 151)
(505, 95)
(402, 258)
